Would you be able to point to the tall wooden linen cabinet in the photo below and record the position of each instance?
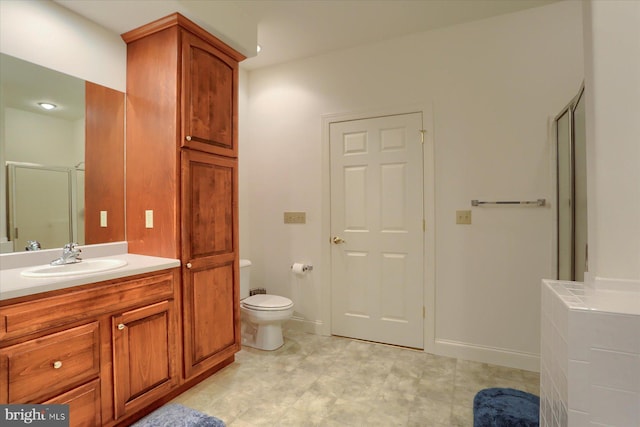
(182, 179)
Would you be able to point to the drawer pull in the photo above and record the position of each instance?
(57, 364)
(189, 265)
(188, 138)
(121, 326)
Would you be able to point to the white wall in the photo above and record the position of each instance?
(42, 32)
(494, 85)
(612, 82)
(243, 148)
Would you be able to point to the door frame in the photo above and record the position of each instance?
(428, 202)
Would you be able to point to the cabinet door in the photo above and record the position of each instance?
(209, 94)
(144, 366)
(210, 272)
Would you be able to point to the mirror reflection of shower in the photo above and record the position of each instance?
(45, 203)
(571, 163)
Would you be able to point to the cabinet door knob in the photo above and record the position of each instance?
(188, 138)
(188, 265)
(121, 326)
(57, 364)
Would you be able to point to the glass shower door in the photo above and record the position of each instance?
(40, 206)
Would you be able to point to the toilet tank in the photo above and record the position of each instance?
(245, 274)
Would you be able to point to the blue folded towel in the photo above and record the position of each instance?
(176, 415)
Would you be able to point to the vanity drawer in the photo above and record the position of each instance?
(20, 319)
(46, 366)
(84, 404)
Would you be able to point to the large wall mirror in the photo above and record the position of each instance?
(64, 167)
(572, 190)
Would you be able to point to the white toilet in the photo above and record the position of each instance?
(262, 315)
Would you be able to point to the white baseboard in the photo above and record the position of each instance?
(491, 355)
(304, 325)
(459, 350)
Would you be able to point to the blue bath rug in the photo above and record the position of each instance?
(176, 415)
(505, 407)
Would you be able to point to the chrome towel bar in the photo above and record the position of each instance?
(539, 202)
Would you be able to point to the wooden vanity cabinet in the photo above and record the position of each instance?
(108, 350)
(182, 86)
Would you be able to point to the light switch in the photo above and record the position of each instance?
(148, 219)
(463, 217)
(103, 219)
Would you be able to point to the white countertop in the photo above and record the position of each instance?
(13, 284)
(615, 297)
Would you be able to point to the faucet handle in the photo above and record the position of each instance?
(33, 245)
(71, 247)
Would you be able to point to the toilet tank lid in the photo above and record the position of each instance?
(245, 263)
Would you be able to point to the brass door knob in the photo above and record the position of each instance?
(121, 326)
(338, 240)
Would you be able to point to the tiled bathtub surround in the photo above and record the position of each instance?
(590, 354)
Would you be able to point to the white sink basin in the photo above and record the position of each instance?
(83, 267)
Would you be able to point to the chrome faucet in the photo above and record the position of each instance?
(70, 255)
(33, 245)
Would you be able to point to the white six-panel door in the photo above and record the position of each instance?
(377, 229)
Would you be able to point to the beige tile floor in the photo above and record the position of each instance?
(331, 381)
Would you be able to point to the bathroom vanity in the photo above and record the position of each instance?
(116, 345)
(107, 344)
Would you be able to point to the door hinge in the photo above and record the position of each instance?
(424, 225)
(424, 312)
(422, 132)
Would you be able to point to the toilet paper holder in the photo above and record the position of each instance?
(304, 267)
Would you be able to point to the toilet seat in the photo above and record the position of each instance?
(266, 302)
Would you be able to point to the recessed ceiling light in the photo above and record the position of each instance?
(258, 48)
(47, 105)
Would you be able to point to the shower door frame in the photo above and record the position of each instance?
(12, 194)
(570, 110)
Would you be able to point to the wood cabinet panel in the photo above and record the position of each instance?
(210, 317)
(144, 348)
(209, 208)
(46, 366)
(84, 404)
(210, 285)
(152, 165)
(76, 305)
(104, 163)
(209, 110)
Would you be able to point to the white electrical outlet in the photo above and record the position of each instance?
(103, 219)
(148, 219)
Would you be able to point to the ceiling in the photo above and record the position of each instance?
(294, 29)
